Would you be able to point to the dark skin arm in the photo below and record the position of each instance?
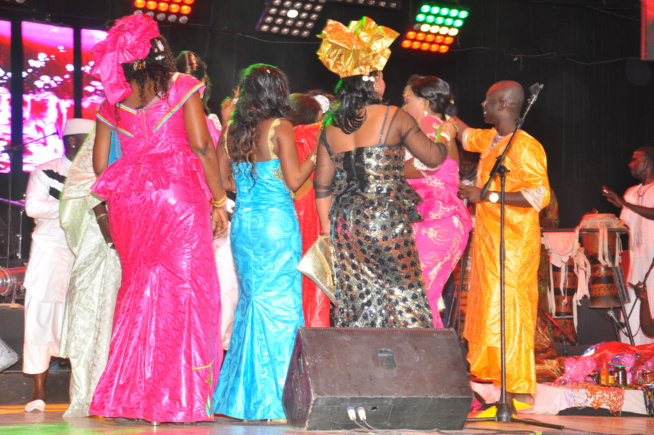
(618, 201)
(202, 146)
(101, 217)
(473, 194)
(410, 170)
(295, 173)
(646, 321)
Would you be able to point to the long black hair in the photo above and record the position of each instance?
(263, 94)
(436, 91)
(190, 63)
(156, 67)
(354, 93)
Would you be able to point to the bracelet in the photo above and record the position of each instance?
(313, 158)
(100, 216)
(220, 202)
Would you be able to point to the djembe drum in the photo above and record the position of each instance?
(601, 283)
(565, 288)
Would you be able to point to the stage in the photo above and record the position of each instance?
(14, 420)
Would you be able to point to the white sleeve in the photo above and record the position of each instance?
(39, 203)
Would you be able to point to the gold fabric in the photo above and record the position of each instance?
(317, 265)
(527, 165)
(360, 48)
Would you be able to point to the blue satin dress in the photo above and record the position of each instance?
(267, 247)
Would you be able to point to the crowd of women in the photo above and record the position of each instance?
(379, 182)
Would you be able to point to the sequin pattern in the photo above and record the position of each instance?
(379, 281)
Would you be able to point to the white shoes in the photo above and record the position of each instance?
(35, 406)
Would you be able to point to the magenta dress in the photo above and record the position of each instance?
(165, 352)
(442, 236)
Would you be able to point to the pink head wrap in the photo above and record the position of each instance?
(128, 40)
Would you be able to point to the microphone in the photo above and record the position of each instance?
(534, 89)
(58, 131)
(466, 183)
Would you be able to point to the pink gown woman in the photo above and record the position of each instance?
(165, 350)
(442, 236)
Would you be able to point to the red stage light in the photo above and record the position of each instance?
(174, 8)
(406, 43)
(420, 36)
(185, 10)
(444, 48)
(163, 7)
(434, 47)
(177, 1)
(139, 3)
(411, 35)
(429, 38)
(189, 2)
(449, 40)
(425, 46)
(439, 38)
(151, 5)
(415, 44)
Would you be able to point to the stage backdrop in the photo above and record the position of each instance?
(594, 111)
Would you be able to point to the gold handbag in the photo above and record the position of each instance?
(317, 265)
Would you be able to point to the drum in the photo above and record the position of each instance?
(11, 279)
(565, 287)
(601, 285)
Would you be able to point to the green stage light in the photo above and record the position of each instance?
(435, 27)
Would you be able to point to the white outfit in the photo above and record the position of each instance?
(94, 283)
(641, 252)
(222, 248)
(48, 271)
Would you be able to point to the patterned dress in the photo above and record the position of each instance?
(94, 283)
(165, 347)
(267, 248)
(442, 236)
(378, 276)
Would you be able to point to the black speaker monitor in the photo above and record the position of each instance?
(412, 379)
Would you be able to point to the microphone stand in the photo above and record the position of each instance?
(503, 410)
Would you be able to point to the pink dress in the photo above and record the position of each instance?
(165, 352)
(442, 236)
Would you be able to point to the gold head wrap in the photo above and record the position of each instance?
(360, 48)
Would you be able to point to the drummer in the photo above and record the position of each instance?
(638, 213)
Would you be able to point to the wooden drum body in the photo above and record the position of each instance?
(565, 287)
(601, 285)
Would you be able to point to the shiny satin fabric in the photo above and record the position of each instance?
(165, 348)
(442, 236)
(94, 283)
(267, 249)
(527, 165)
(315, 304)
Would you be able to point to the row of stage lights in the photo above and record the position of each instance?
(435, 28)
(287, 17)
(165, 10)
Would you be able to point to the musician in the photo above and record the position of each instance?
(638, 213)
(46, 278)
(527, 192)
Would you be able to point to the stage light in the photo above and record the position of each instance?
(171, 11)
(291, 18)
(386, 4)
(435, 27)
